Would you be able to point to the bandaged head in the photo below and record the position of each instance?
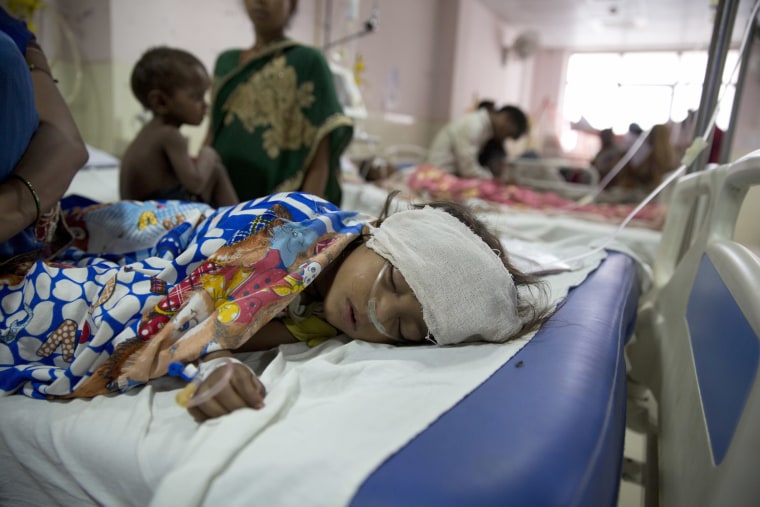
(466, 292)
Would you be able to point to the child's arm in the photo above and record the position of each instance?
(193, 175)
(315, 181)
(244, 389)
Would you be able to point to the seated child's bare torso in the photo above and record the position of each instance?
(153, 163)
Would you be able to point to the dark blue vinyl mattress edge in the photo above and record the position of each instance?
(546, 429)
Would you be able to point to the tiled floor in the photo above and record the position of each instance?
(632, 494)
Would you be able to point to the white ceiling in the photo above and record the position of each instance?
(617, 24)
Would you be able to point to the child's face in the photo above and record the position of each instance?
(187, 105)
(397, 309)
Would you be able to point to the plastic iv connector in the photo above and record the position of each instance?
(188, 396)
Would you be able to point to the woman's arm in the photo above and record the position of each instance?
(52, 158)
(315, 180)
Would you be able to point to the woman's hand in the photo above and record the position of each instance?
(244, 390)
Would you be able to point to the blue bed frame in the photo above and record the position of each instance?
(546, 429)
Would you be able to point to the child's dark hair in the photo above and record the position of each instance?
(518, 118)
(162, 68)
(531, 313)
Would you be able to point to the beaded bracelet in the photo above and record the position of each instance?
(32, 190)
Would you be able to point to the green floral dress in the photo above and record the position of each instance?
(269, 115)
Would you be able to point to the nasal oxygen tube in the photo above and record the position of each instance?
(372, 306)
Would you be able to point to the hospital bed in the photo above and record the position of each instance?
(538, 421)
(545, 429)
(697, 347)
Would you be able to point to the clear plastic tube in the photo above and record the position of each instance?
(189, 397)
(372, 305)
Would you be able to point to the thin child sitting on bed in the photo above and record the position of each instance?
(172, 84)
(431, 275)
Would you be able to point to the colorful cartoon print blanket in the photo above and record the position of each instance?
(148, 283)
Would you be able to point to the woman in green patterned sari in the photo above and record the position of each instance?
(276, 121)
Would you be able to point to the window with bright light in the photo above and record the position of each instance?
(613, 90)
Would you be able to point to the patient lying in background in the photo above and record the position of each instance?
(172, 84)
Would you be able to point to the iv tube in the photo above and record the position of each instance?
(372, 305)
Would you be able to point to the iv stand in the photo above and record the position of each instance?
(369, 26)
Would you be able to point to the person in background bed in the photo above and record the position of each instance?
(40, 147)
(658, 159)
(609, 152)
(493, 154)
(172, 84)
(276, 121)
(457, 145)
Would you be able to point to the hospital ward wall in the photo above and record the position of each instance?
(431, 61)
(428, 61)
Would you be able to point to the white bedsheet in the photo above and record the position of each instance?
(98, 183)
(533, 225)
(333, 414)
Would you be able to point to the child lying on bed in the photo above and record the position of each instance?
(266, 272)
(171, 84)
(403, 281)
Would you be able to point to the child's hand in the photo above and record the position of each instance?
(243, 390)
(208, 155)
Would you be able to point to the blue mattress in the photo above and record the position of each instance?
(546, 429)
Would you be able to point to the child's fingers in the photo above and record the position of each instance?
(230, 399)
(243, 390)
(197, 414)
(250, 389)
(208, 410)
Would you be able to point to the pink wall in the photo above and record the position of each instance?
(432, 59)
(479, 71)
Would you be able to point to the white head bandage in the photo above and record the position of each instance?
(466, 292)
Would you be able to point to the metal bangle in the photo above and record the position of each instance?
(33, 67)
(35, 196)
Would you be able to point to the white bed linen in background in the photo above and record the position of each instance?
(98, 179)
(333, 414)
(526, 225)
(99, 184)
(99, 158)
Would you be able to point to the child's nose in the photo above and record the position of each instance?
(388, 309)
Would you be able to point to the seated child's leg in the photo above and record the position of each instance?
(220, 191)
